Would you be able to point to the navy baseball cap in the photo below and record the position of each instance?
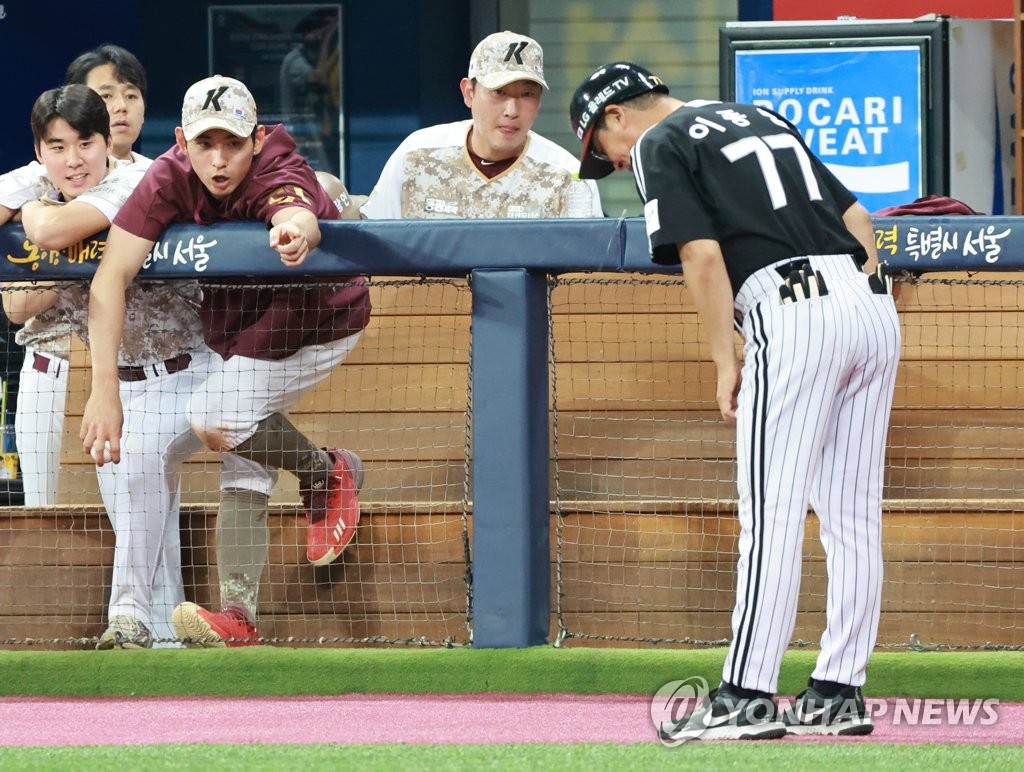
(608, 85)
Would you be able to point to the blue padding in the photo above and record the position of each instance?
(456, 247)
(511, 550)
(916, 244)
(964, 243)
(382, 248)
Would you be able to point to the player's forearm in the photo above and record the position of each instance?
(106, 325)
(858, 222)
(306, 220)
(704, 270)
(23, 301)
(303, 219)
(42, 225)
(122, 260)
(58, 227)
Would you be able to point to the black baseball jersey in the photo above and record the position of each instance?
(740, 175)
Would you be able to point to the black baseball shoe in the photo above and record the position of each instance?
(814, 713)
(724, 715)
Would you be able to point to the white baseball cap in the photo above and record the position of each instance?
(504, 57)
(218, 102)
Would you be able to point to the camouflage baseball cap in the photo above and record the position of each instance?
(504, 57)
(218, 103)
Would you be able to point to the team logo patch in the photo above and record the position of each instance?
(440, 206)
(520, 212)
(651, 216)
(288, 194)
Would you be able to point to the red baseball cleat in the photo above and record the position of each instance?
(205, 629)
(333, 509)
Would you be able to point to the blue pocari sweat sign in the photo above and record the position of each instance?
(858, 108)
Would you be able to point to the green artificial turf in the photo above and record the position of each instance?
(591, 757)
(267, 670)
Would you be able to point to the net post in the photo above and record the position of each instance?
(511, 542)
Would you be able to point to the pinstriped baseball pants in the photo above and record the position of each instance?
(813, 413)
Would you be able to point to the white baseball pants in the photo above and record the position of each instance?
(39, 424)
(813, 414)
(243, 391)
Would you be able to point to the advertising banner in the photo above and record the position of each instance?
(290, 58)
(859, 107)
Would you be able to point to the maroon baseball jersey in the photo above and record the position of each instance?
(255, 321)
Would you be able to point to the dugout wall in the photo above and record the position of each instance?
(548, 461)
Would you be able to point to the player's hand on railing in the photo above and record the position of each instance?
(101, 427)
(290, 241)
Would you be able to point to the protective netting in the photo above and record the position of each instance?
(399, 400)
(645, 510)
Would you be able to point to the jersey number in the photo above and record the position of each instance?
(764, 149)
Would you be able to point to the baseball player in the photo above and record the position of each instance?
(492, 165)
(161, 359)
(276, 342)
(43, 381)
(118, 76)
(770, 239)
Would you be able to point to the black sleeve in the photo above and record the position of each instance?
(673, 206)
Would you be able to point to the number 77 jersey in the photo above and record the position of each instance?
(740, 175)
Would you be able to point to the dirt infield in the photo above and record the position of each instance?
(470, 718)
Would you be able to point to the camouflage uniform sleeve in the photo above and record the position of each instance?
(18, 187)
(385, 201)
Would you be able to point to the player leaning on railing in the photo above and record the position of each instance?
(772, 242)
(160, 360)
(277, 343)
(120, 79)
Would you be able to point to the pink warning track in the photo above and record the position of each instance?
(396, 718)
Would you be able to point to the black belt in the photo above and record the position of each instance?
(799, 263)
(142, 372)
